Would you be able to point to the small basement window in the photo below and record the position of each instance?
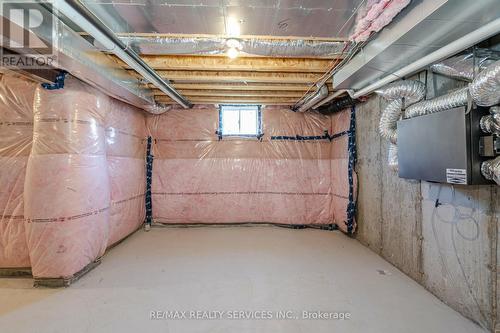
(240, 120)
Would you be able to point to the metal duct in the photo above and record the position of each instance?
(314, 99)
(392, 157)
(399, 94)
(491, 170)
(217, 45)
(485, 89)
(451, 100)
(337, 105)
(464, 66)
(79, 14)
(409, 91)
(472, 38)
(491, 123)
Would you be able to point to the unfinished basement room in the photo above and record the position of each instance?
(248, 166)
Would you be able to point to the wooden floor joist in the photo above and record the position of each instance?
(254, 86)
(243, 100)
(217, 77)
(240, 93)
(261, 64)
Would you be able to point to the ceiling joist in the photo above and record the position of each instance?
(216, 100)
(236, 93)
(208, 76)
(210, 63)
(256, 86)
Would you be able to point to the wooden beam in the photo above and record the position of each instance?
(246, 100)
(238, 93)
(218, 77)
(207, 63)
(240, 86)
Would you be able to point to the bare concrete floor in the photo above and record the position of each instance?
(260, 270)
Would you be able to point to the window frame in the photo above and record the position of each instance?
(259, 121)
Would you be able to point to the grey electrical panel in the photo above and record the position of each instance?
(443, 147)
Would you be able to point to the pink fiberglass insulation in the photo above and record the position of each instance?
(16, 136)
(200, 179)
(67, 192)
(125, 148)
(375, 16)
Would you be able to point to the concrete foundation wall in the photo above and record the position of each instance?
(450, 249)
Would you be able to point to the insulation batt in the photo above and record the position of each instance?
(16, 135)
(67, 190)
(377, 14)
(199, 179)
(125, 149)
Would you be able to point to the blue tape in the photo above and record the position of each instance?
(58, 83)
(351, 206)
(338, 135)
(302, 138)
(149, 176)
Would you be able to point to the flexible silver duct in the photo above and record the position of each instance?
(491, 170)
(491, 123)
(485, 89)
(392, 157)
(399, 94)
(445, 102)
(217, 45)
(409, 91)
(463, 67)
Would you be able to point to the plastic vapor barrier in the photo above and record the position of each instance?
(125, 148)
(293, 174)
(16, 136)
(67, 191)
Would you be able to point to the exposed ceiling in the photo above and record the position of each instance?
(305, 18)
(286, 45)
(213, 79)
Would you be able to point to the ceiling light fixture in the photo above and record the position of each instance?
(232, 53)
(234, 48)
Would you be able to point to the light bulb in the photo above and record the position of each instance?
(232, 53)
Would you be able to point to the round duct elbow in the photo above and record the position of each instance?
(409, 91)
(491, 170)
(485, 89)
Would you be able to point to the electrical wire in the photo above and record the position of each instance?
(457, 219)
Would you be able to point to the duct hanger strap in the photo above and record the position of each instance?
(58, 82)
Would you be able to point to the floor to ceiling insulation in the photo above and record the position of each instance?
(231, 269)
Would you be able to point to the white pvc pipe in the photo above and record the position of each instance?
(458, 45)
